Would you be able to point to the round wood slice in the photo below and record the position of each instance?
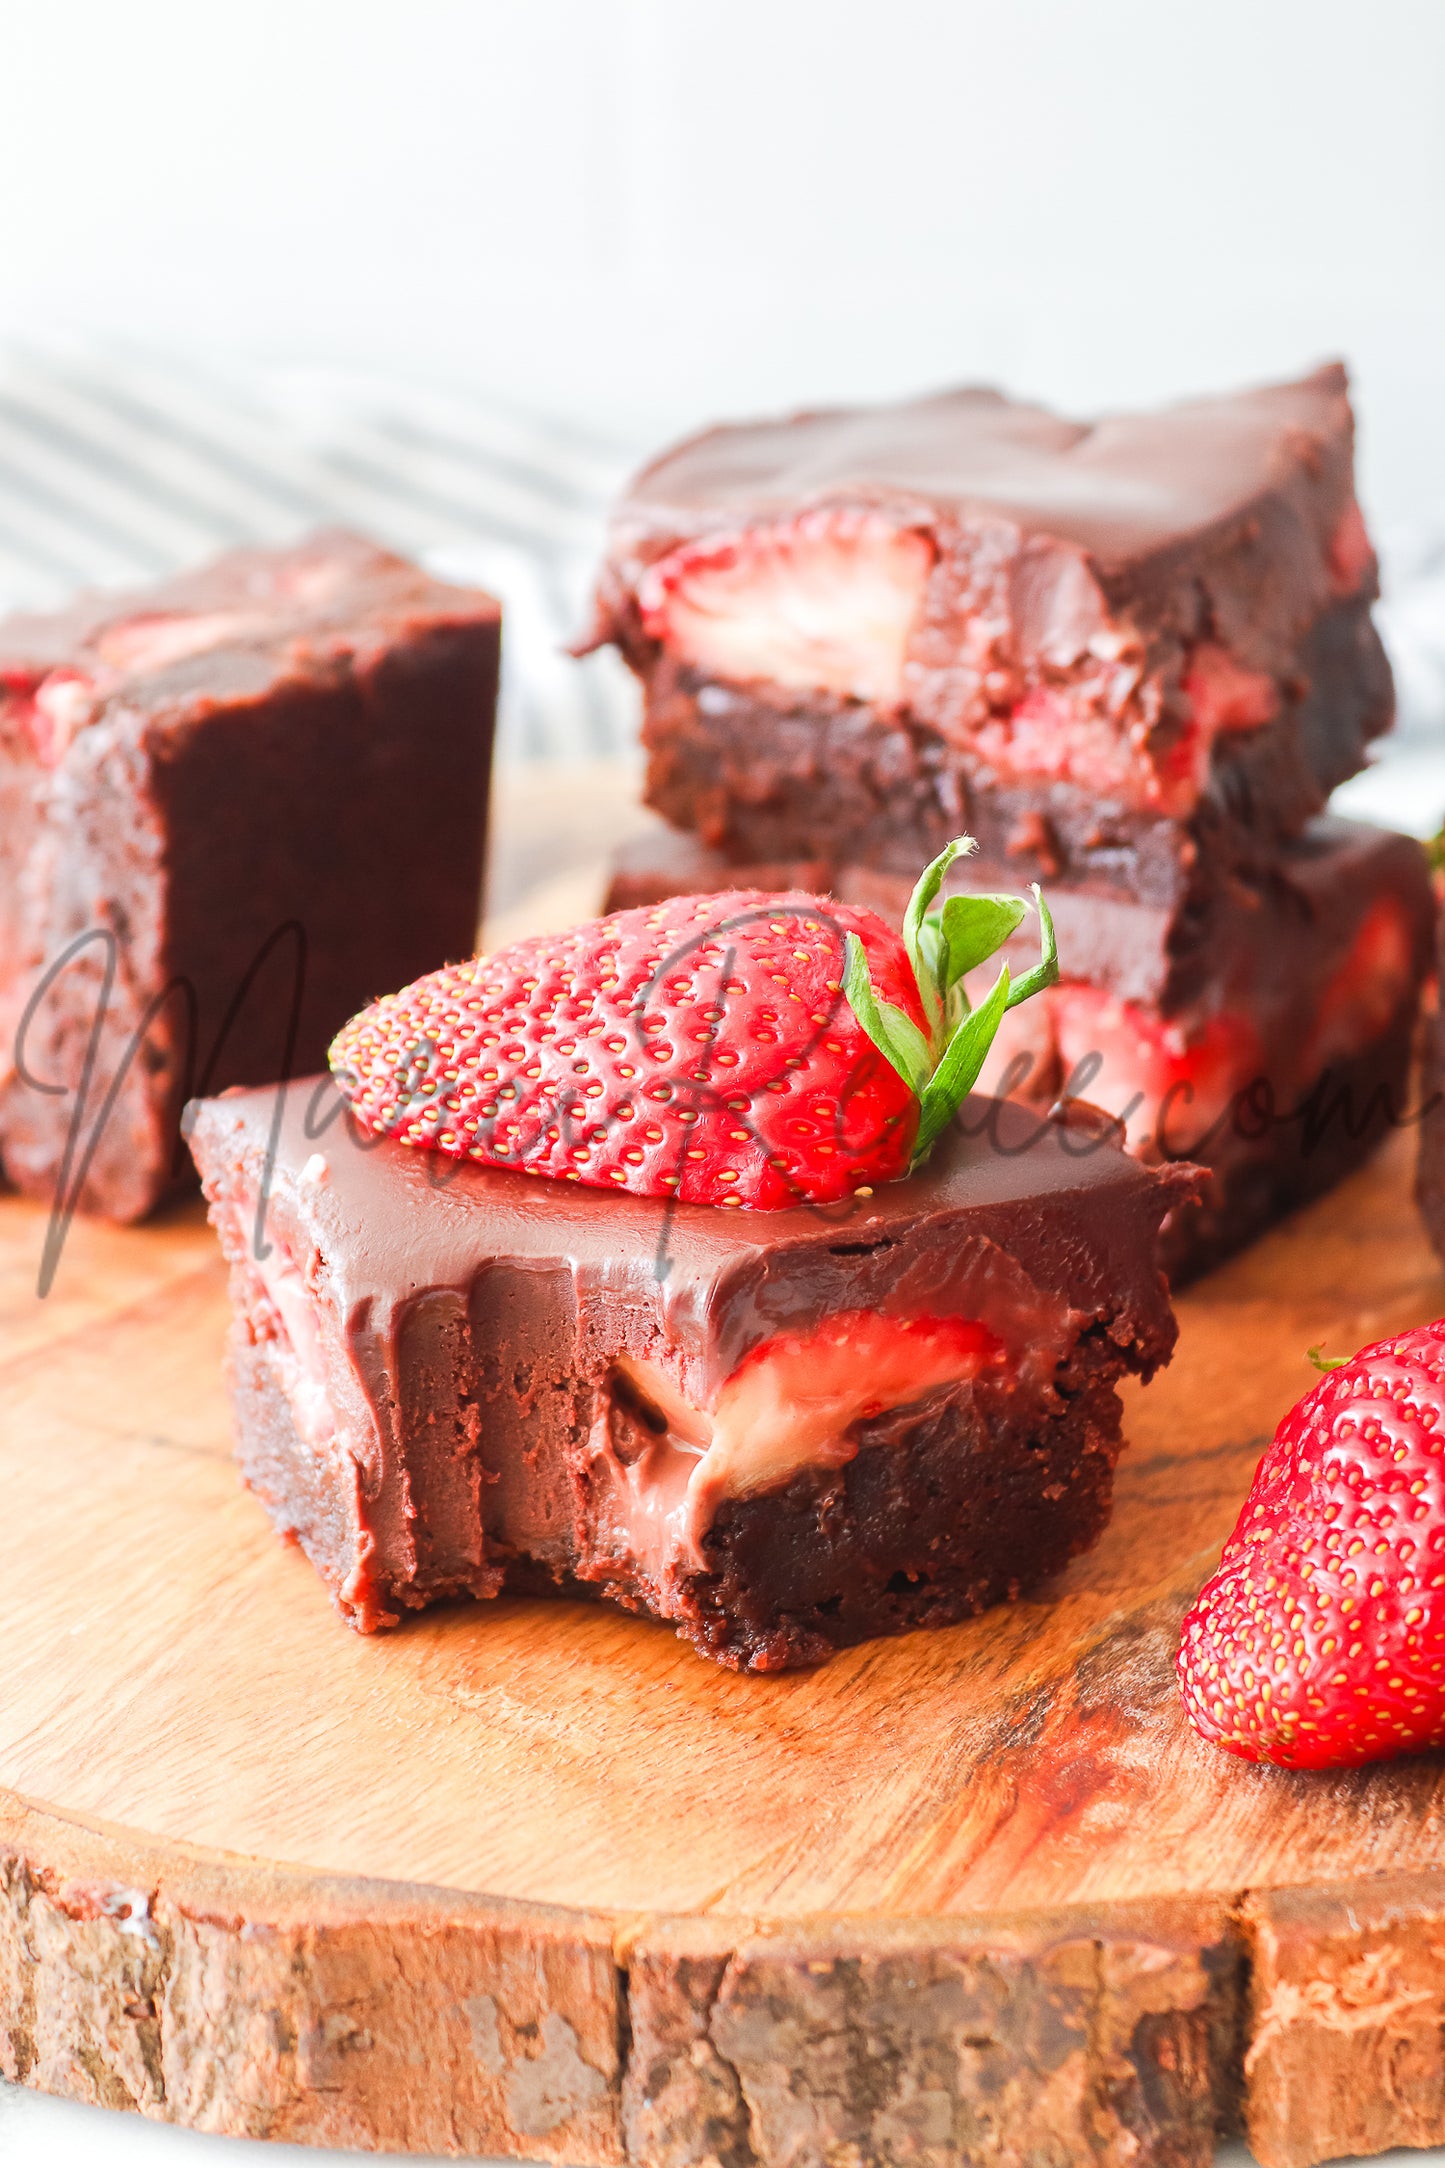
(532, 1878)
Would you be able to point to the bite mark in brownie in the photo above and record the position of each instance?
(778, 1431)
(231, 808)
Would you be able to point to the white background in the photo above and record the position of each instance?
(644, 212)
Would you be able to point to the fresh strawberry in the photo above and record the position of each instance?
(739, 1049)
(1320, 1642)
(824, 602)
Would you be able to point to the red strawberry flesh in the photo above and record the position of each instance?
(1168, 1081)
(700, 1049)
(1320, 1641)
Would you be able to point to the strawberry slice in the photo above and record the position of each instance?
(824, 602)
(1351, 554)
(1223, 695)
(739, 1049)
(1367, 990)
(1320, 1641)
(1166, 1083)
(157, 641)
(50, 709)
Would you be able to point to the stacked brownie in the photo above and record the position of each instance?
(232, 809)
(1132, 659)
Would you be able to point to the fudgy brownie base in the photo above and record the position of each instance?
(947, 1508)
(232, 808)
(450, 1380)
(759, 773)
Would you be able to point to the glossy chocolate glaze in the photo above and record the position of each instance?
(289, 746)
(1122, 488)
(1149, 634)
(472, 1320)
(1217, 519)
(258, 618)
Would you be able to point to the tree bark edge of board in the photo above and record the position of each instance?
(274, 2002)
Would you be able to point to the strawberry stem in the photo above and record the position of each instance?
(1324, 1362)
(943, 946)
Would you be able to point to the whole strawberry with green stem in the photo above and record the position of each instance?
(1320, 1641)
(741, 1049)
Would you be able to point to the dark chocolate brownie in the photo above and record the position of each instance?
(232, 809)
(1263, 1031)
(779, 1431)
(1127, 653)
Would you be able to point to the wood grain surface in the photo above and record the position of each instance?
(531, 1878)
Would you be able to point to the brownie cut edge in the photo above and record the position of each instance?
(233, 808)
(452, 1380)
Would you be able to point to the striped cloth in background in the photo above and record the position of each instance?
(118, 466)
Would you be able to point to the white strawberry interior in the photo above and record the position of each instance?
(153, 643)
(300, 1356)
(59, 707)
(789, 1405)
(312, 582)
(823, 603)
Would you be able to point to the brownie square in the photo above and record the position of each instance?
(780, 1432)
(232, 809)
(1129, 653)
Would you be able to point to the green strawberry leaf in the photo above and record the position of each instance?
(1046, 970)
(923, 949)
(973, 927)
(957, 1072)
(941, 1068)
(896, 1036)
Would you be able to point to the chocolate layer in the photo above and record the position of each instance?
(1132, 492)
(760, 773)
(246, 801)
(450, 1378)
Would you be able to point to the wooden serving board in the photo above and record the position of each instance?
(532, 1878)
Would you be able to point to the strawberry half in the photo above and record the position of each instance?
(742, 1049)
(1320, 1641)
(823, 602)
